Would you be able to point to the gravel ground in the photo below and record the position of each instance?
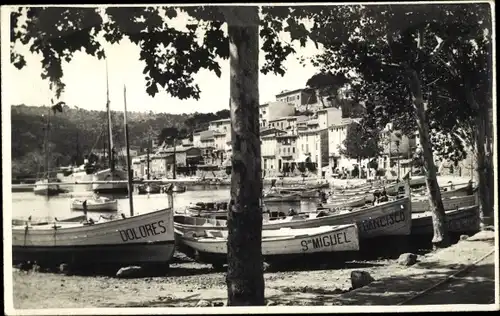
(189, 282)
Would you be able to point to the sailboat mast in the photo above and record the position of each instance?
(47, 147)
(129, 165)
(110, 131)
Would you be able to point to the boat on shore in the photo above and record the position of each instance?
(135, 240)
(420, 205)
(211, 245)
(462, 220)
(206, 209)
(96, 204)
(281, 195)
(346, 203)
(391, 218)
(17, 221)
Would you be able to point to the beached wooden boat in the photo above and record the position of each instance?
(420, 205)
(205, 209)
(77, 219)
(212, 244)
(140, 239)
(98, 204)
(303, 192)
(346, 203)
(385, 219)
(279, 196)
(448, 191)
(462, 220)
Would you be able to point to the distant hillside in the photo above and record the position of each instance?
(78, 130)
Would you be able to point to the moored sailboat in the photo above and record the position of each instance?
(135, 240)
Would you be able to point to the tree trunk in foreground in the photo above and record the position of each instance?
(245, 280)
(485, 209)
(440, 239)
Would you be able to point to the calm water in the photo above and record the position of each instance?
(25, 204)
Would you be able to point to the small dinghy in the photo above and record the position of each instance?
(150, 188)
(421, 204)
(211, 245)
(96, 204)
(281, 195)
(206, 209)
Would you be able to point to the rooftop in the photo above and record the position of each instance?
(285, 92)
(226, 120)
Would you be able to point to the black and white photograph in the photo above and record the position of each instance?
(238, 158)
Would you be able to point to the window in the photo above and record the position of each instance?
(293, 150)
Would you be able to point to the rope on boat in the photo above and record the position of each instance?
(447, 279)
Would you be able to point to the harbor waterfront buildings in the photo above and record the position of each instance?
(299, 136)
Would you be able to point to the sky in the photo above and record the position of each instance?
(85, 79)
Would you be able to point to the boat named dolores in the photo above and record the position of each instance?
(141, 239)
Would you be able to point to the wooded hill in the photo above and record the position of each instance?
(76, 132)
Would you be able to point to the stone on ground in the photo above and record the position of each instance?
(407, 259)
(203, 303)
(360, 279)
(130, 272)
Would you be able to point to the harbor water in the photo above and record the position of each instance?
(42, 208)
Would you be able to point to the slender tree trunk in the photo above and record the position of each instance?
(485, 209)
(245, 280)
(320, 98)
(440, 238)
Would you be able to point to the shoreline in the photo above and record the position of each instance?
(190, 284)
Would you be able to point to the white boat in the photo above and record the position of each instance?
(346, 203)
(281, 196)
(212, 246)
(391, 218)
(96, 204)
(419, 205)
(462, 220)
(43, 187)
(109, 175)
(140, 239)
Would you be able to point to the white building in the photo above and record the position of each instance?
(337, 133)
(274, 110)
(329, 116)
(222, 125)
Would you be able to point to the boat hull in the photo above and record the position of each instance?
(342, 238)
(110, 188)
(136, 254)
(422, 205)
(386, 219)
(43, 188)
(142, 239)
(110, 206)
(464, 220)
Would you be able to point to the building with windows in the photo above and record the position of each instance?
(274, 110)
(337, 133)
(298, 97)
(222, 125)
